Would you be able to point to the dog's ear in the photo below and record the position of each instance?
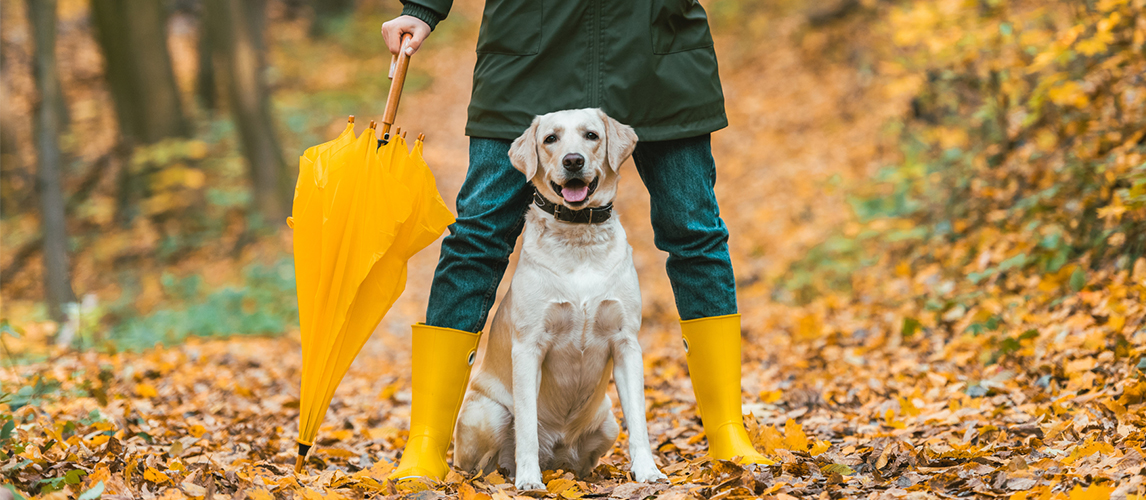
(523, 152)
(620, 140)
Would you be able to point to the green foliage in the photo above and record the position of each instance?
(10, 444)
(264, 303)
(49, 485)
(32, 393)
(92, 493)
(1024, 152)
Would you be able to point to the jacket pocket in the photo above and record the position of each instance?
(679, 25)
(511, 27)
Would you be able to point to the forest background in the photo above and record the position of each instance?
(938, 219)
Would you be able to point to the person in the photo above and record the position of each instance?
(649, 64)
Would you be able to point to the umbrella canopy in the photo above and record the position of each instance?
(360, 212)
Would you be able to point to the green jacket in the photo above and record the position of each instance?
(648, 63)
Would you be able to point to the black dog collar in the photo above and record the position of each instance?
(591, 215)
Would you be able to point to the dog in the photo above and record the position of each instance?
(570, 318)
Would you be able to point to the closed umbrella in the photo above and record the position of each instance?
(360, 212)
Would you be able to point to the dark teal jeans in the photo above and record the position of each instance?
(680, 176)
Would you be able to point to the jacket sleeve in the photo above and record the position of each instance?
(430, 11)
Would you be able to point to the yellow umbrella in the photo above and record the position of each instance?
(360, 212)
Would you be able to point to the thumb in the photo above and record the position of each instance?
(413, 45)
(418, 35)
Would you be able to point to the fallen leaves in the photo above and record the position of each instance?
(994, 361)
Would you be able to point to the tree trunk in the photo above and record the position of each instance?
(133, 37)
(206, 86)
(239, 27)
(57, 279)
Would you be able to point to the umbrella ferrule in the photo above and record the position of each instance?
(300, 460)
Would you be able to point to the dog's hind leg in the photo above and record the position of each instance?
(484, 426)
(593, 445)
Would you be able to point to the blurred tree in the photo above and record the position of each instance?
(57, 279)
(328, 14)
(237, 41)
(133, 37)
(206, 84)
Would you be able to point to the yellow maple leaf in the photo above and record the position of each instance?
(334, 495)
(560, 484)
(794, 437)
(1094, 492)
(495, 478)
(770, 440)
(259, 494)
(771, 396)
(1068, 94)
(809, 327)
(467, 492)
(819, 447)
(146, 391)
(152, 474)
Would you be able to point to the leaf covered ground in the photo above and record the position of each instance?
(936, 211)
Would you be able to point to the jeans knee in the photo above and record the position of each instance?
(692, 238)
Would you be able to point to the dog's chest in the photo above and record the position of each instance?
(581, 259)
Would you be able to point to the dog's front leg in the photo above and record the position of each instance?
(629, 375)
(527, 357)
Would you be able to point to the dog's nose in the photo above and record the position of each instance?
(573, 162)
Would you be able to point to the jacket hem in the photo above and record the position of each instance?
(679, 131)
(644, 133)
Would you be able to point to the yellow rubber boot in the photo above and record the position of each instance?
(713, 346)
(442, 361)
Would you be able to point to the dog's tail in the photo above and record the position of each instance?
(488, 462)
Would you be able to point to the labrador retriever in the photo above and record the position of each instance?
(539, 400)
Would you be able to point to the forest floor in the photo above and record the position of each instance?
(848, 406)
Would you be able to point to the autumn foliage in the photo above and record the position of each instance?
(938, 219)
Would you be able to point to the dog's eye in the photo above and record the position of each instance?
(592, 136)
(551, 138)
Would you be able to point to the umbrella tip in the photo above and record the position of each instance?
(373, 124)
(403, 135)
(350, 119)
(398, 131)
(300, 460)
(422, 137)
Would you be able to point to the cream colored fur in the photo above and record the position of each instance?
(570, 319)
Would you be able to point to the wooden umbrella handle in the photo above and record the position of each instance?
(397, 79)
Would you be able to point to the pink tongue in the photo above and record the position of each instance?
(575, 194)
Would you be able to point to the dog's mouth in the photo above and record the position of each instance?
(575, 191)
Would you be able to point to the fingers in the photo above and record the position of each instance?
(392, 36)
(394, 29)
(419, 35)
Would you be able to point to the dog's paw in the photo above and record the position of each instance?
(529, 481)
(647, 473)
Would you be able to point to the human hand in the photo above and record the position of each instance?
(393, 30)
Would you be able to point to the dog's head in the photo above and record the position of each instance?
(572, 157)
